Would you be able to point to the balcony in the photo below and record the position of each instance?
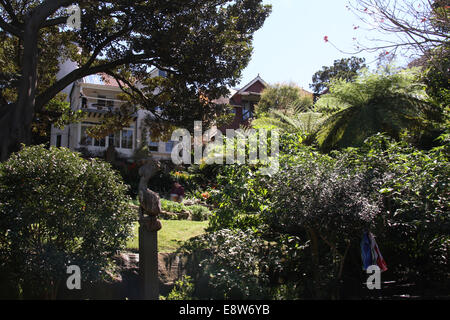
(99, 104)
(97, 107)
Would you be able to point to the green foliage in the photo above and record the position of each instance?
(128, 171)
(344, 69)
(373, 103)
(391, 188)
(186, 179)
(320, 193)
(162, 182)
(58, 113)
(172, 206)
(239, 199)
(56, 210)
(210, 45)
(285, 98)
(199, 212)
(437, 77)
(318, 197)
(302, 227)
(183, 289)
(304, 123)
(204, 175)
(242, 264)
(415, 198)
(230, 265)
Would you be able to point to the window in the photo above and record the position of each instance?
(100, 142)
(58, 141)
(127, 139)
(169, 146)
(247, 112)
(85, 140)
(121, 139)
(114, 140)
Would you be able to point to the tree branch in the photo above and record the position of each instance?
(8, 27)
(54, 22)
(81, 72)
(46, 9)
(10, 10)
(132, 87)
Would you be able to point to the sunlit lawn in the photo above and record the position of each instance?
(172, 234)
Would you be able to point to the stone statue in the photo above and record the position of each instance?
(150, 204)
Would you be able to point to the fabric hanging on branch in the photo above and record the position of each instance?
(370, 253)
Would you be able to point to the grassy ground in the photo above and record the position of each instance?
(172, 234)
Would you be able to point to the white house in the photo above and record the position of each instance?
(98, 95)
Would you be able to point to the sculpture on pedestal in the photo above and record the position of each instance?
(150, 204)
(149, 209)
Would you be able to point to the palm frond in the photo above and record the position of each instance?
(376, 103)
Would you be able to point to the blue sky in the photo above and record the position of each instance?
(290, 47)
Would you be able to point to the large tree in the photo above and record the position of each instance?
(345, 68)
(203, 45)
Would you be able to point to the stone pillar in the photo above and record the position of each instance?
(148, 260)
(149, 225)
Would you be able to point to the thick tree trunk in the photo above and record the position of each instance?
(16, 122)
(27, 88)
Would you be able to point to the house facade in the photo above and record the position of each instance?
(243, 102)
(98, 95)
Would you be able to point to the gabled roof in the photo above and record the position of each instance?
(258, 78)
(225, 99)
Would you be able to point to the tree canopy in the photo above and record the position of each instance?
(345, 68)
(202, 45)
(286, 98)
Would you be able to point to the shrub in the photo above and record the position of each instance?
(182, 290)
(396, 191)
(172, 206)
(130, 175)
(415, 198)
(56, 210)
(229, 265)
(239, 200)
(237, 264)
(199, 213)
(318, 197)
(184, 178)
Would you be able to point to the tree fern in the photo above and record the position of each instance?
(303, 122)
(389, 103)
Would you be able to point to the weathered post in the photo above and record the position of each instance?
(149, 225)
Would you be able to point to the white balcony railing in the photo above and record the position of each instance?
(97, 103)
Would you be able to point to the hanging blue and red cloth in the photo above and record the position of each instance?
(370, 253)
